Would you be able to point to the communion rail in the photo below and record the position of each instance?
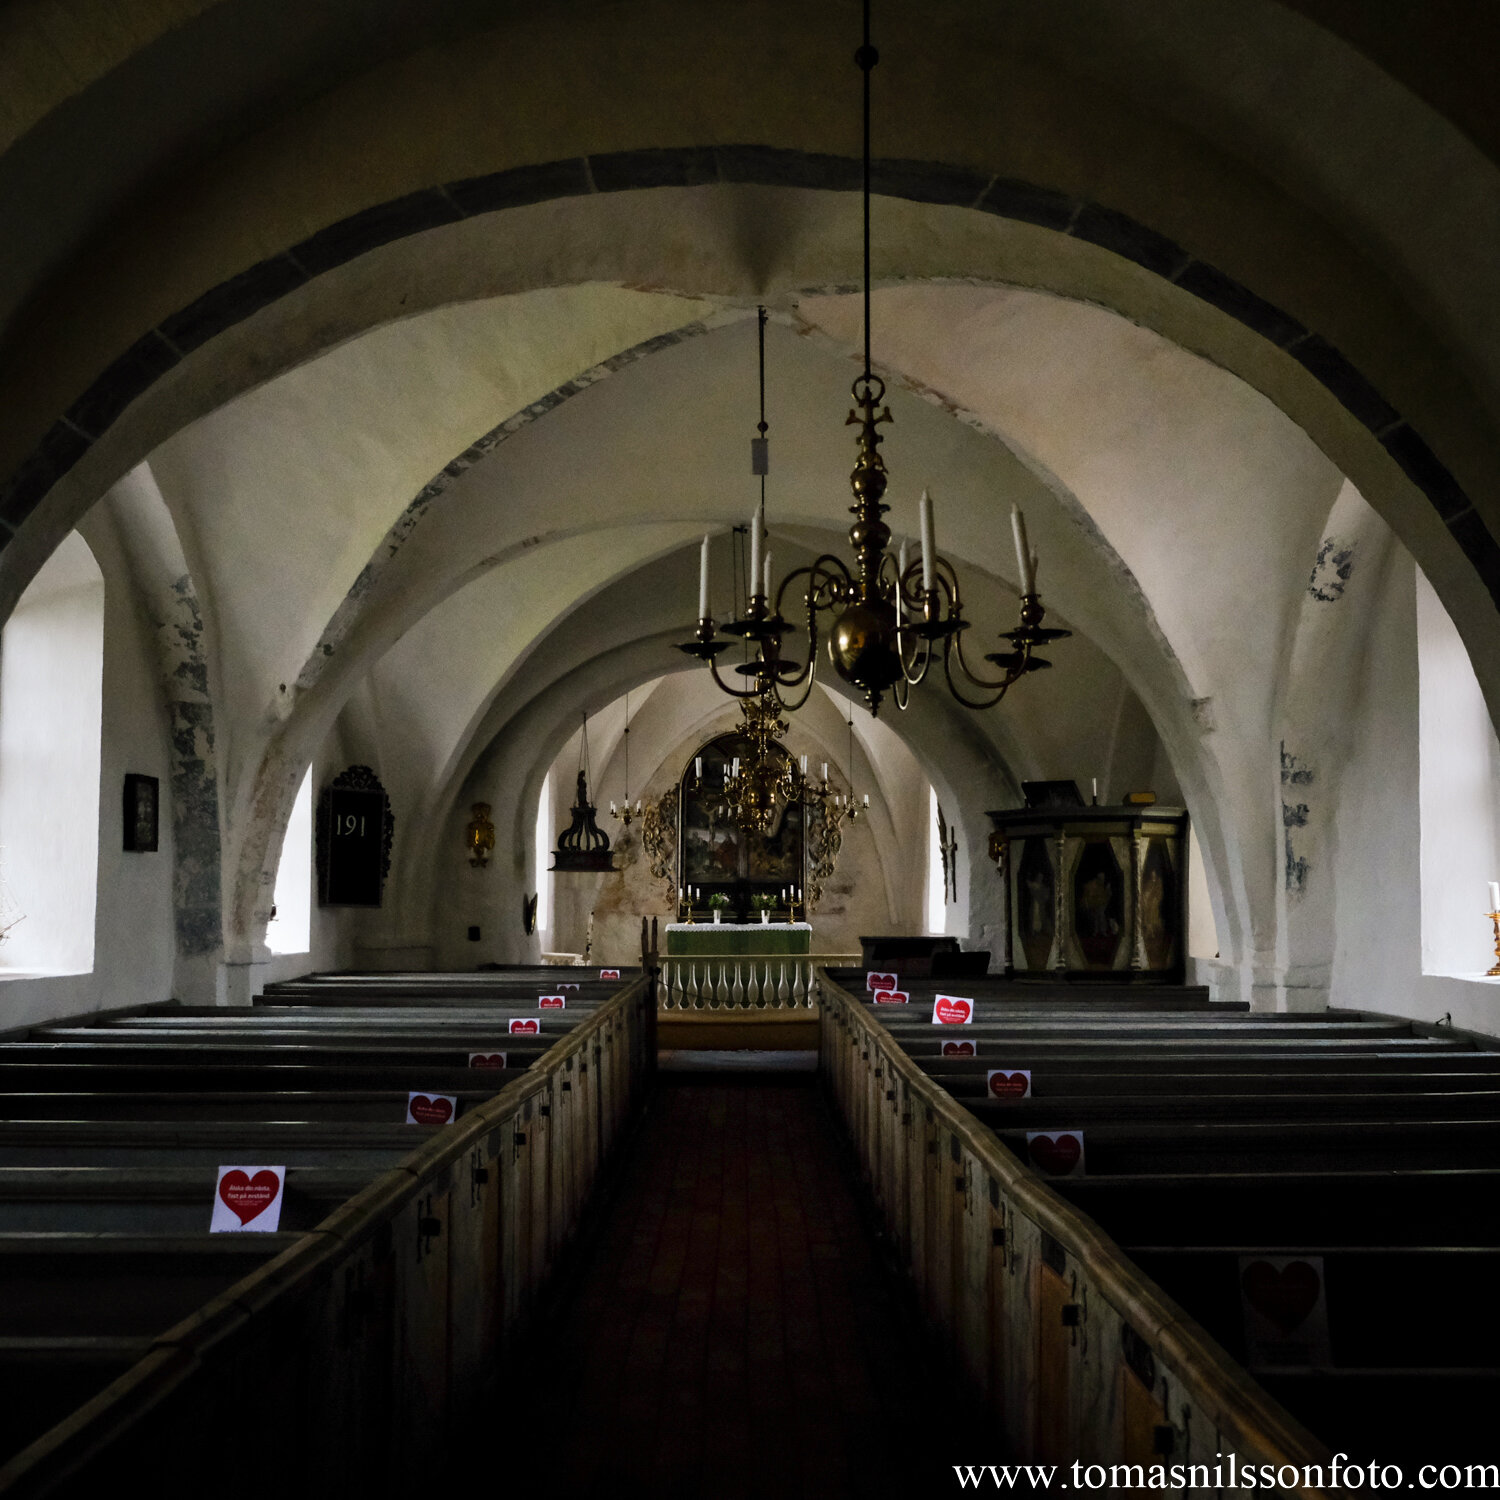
(353, 1361)
(741, 982)
(1078, 1353)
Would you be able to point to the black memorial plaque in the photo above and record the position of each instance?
(354, 836)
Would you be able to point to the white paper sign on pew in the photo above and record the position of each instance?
(609, 973)
(952, 1010)
(1009, 1083)
(874, 982)
(493, 1060)
(1285, 1304)
(430, 1109)
(526, 1025)
(891, 997)
(1058, 1153)
(552, 1002)
(248, 1200)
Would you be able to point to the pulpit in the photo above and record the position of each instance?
(1094, 893)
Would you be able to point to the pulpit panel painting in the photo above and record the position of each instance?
(1159, 905)
(715, 849)
(1099, 903)
(1036, 910)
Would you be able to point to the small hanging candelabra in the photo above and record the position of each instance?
(583, 847)
(625, 813)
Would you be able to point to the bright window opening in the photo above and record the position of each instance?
(937, 894)
(51, 698)
(543, 851)
(290, 928)
(1460, 790)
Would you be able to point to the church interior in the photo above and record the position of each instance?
(532, 944)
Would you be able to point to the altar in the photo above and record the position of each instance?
(738, 939)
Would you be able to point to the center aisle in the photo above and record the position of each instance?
(733, 1331)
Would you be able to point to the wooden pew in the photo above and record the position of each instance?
(1368, 1142)
(116, 1127)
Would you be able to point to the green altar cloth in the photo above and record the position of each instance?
(687, 939)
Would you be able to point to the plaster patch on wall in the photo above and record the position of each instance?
(1293, 772)
(347, 614)
(1332, 569)
(1294, 815)
(196, 893)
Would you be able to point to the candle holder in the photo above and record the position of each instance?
(1494, 917)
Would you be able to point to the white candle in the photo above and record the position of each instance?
(804, 765)
(755, 525)
(698, 767)
(703, 581)
(900, 574)
(867, 799)
(766, 567)
(929, 544)
(825, 770)
(1096, 789)
(1495, 895)
(1024, 560)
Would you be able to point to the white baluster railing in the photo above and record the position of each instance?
(744, 982)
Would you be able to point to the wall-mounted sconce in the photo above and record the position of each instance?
(479, 836)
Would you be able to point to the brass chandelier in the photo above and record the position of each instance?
(891, 618)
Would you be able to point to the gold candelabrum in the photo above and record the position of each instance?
(1494, 917)
(892, 620)
(766, 775)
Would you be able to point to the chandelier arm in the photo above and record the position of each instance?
(1012, 676)
(734, 692)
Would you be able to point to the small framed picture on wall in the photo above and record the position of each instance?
(142, 813)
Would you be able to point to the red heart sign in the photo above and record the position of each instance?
(1284, 1296)
(525, 1028)
(1010, 1085)
(891, 997)
(960, 1049)
(951, 1011)
(609, 973)
(1057, 1154)
(875, 982)
(427, 1111)
(486, 1059)
(248, 1197)
(552, 1002)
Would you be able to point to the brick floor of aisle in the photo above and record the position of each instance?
(733, 1330)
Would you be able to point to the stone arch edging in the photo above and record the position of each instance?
(258, 286)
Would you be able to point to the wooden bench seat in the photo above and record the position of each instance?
(114, 1076)
(1339, 1206)
(355, 1106)
(966, 1078)
(340, 1147)
(141, 1200)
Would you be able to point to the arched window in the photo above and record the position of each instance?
(1460, 786)
(543, 854)
(937, 880)
(51, 699)
(290, 927)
